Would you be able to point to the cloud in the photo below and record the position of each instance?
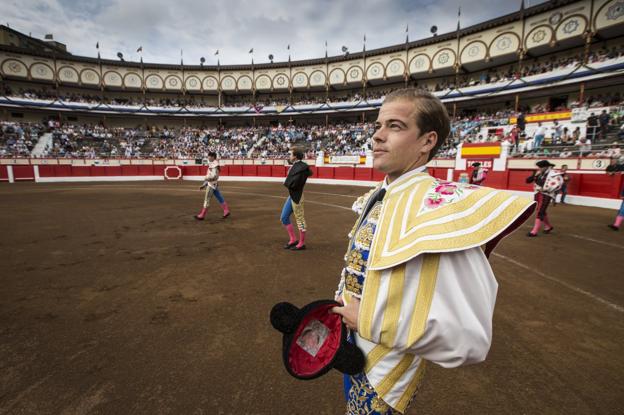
(163, 27)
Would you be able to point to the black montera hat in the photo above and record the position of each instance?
(544, 163)
(315, 340)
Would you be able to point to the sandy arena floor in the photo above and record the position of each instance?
(115, 301)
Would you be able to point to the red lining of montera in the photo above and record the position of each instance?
(303, 363)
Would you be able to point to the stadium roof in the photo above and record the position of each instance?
(47, 49)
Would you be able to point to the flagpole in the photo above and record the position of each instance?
(406, 72)
(55, 73)
(290, 84)
(142, 77)
(364, 75)
(326, 74)
(219, 82)
(182, 68)
(457, 57)
(253, 76)
(521, 49)
(101, 70)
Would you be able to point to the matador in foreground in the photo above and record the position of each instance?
(417, 286)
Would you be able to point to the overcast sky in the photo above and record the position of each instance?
(199, 28)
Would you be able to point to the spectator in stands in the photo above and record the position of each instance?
(584, 146)
(604, 124)
(538, 136)
(614, 151)
(566, 138)
(514, 138)
(521, 123)
(576, 134)
(592, 126)
(556, 133)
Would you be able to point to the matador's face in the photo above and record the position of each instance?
(398, 144)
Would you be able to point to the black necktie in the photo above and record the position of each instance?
(377, 198)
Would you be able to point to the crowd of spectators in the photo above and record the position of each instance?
(19, 139)
(273, 142)
(269, 142)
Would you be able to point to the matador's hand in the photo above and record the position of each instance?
(349, 313)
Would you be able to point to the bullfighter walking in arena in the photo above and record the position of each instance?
(479, 174)
(546, 183)
(613, 168)
(211, 184)
(295, 182)
(417, 286)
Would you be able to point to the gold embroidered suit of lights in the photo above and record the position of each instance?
(403, 232)
(299, 215)
(352, 284)
(363, 241)
(363, 399)
(355, 262)
(375, 212)
(364, 236)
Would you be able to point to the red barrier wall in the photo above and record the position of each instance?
(344, 173)
(4, 174)
(363, 174)
(326, 172)
(250, 171)
(264, 171)
(23, 173)
(235, 170)
(582, 184)
(278, 171)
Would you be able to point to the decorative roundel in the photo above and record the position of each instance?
(281, 80)
(14, 67)
(153, 81)
(555, 18)
(317, 77)
(375, 70)
(443, 58)
(193, 82)
(615, 11)
(300, 79)
(112, 78)
(263, 82)
(90, 75)
(132, 79)
(419, 62)
(210, 83)
(173, 81)
(67, 73)
(473, 51)
(503, 43)
(228, 83)
(354, 73)
(395, 67)
(336, 76)
(571, 26)
(42, 70)
(244, 82)
(538, 36)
